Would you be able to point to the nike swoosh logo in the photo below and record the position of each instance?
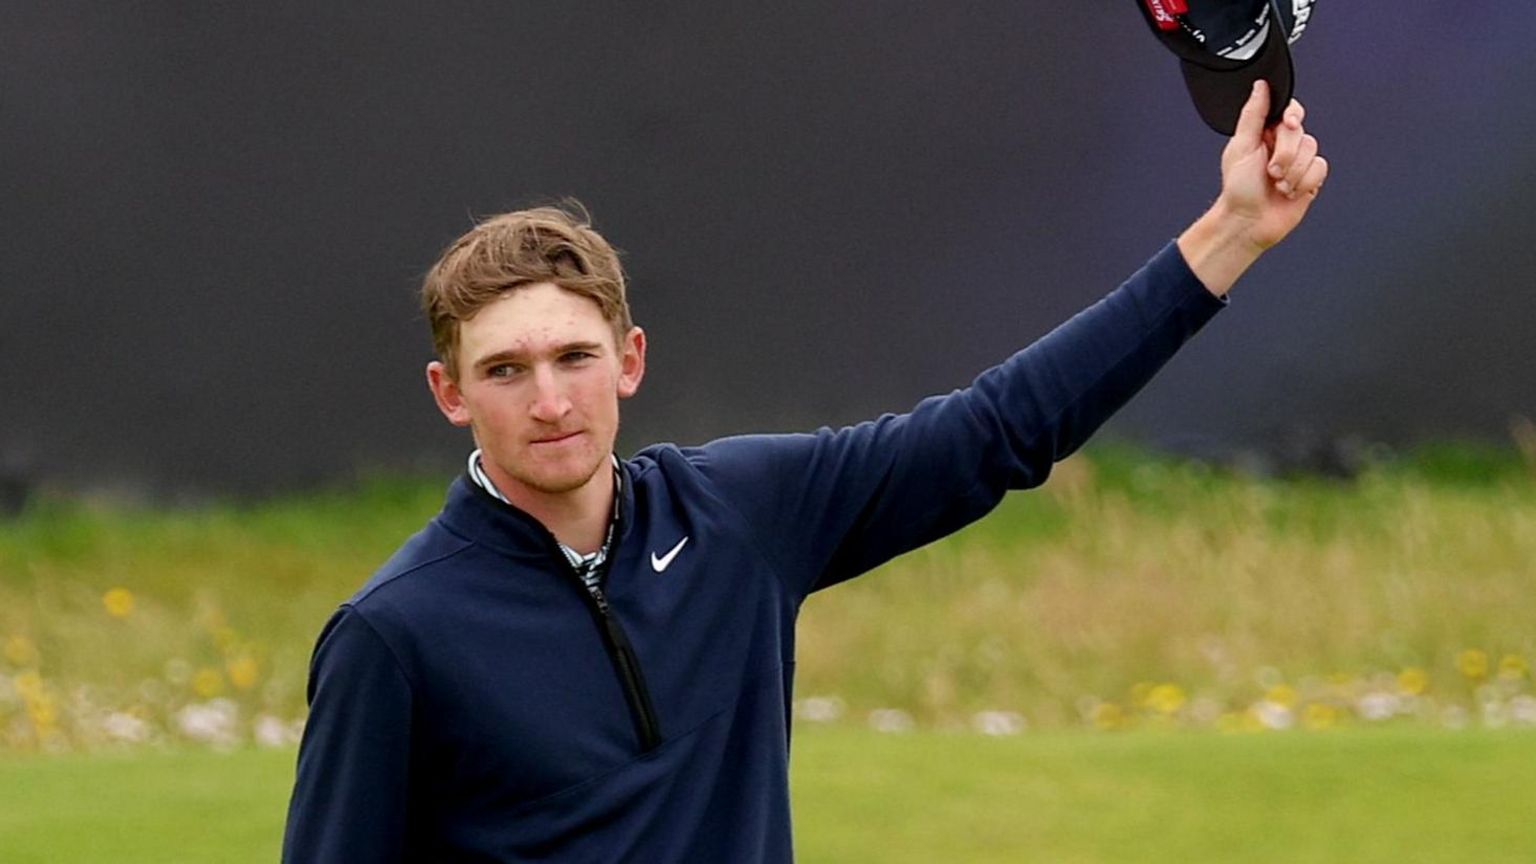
(661, 563)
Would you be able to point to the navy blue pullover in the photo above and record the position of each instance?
(474, 703)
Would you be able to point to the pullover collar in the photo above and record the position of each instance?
(475, 514)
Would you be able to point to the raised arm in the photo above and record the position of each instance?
(830, 505)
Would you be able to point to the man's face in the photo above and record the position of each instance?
(539, 383)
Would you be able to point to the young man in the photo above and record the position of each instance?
(587, 659)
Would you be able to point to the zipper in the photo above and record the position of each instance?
(628, 666)
(620, 651)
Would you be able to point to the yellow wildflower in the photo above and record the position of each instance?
(29, 685)
(1413, 681)
(1281, 694)
(119, 602)
(243, 672)
(1512, 667)
(19, 651)
(1319, 716)
(1473, 664)
(1166, 698)
(207, 683)
(43, 712)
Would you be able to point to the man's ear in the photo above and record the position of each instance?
(446, 392)
(631, 362)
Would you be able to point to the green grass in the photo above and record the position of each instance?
(1403, 795)
(1125, 571)
(193, 806)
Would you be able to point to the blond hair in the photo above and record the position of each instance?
(554, 244)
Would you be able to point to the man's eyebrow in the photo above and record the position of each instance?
(512, 354)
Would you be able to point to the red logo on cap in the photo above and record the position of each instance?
(1164, 10)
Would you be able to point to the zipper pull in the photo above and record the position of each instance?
(602, 601)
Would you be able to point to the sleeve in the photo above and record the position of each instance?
(349, 797)
(829, 505)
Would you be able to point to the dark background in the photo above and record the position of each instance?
(216, 215)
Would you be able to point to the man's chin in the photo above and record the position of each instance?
(559, 480)
(554, 486)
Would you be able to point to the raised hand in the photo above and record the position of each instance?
(1269, 177)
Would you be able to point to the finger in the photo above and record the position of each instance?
(1306, 151)
(1287, 137)
(1250, 123)
(1312, 181)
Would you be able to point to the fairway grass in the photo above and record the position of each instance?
(1353, 796)
(1363, 795)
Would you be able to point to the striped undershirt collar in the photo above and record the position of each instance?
(586, 565)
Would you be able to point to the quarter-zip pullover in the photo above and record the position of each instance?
(473, 702)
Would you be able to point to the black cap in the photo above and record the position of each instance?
(1226, 45)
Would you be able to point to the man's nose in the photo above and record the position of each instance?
(549, 399)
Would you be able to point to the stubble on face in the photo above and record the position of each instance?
(548, 426)
(557, 475)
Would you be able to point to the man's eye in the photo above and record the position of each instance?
(503, 370)
(577, 356)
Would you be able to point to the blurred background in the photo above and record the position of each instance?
(214, 422)
(216, 217)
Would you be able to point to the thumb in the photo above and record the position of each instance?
(1250, 123)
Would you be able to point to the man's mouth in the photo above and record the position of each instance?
(556, 439)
